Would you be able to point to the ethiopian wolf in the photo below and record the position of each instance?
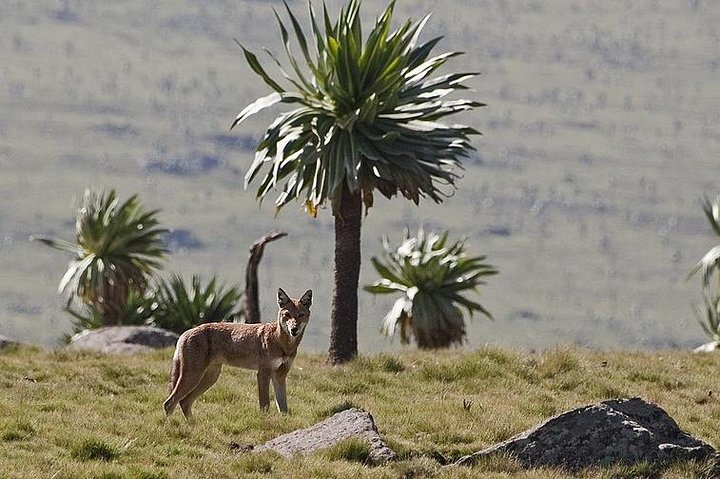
(269, 348)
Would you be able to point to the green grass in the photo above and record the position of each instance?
(93, 449)
(74, 414)
(351, 450)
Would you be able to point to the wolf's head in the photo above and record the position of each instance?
(294, 314)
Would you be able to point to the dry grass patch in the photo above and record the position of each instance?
(90, 415)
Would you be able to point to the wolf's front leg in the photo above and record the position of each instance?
(278, 380)
(263, 379)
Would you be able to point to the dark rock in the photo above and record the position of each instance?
(241, 448)
(123, 339)
(344, 425)
(622, 431)
(7, 342)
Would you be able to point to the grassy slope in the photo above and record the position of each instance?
(69, 414)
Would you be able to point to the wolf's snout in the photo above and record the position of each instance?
(294, 331)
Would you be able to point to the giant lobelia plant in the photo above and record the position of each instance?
(365, 117)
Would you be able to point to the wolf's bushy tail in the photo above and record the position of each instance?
(176, 366)
(174, 374)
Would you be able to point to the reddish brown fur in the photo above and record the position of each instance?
(268, 348)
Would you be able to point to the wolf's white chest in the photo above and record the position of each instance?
(277, 363)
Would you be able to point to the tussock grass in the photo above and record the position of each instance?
(13, 429)
(351, 449)
(332, 410)
(93, 449)
(75, 414)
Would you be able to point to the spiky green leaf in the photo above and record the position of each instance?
(434, 277)
(371, 118)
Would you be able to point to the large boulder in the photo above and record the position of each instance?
(344, 425)
(123, 339)
(622, 431)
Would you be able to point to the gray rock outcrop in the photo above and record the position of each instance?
(344, 425)
(622, 431)
(123, 339)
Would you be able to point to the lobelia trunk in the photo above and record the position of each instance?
(344, 316)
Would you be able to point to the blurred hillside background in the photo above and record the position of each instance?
(601, 135)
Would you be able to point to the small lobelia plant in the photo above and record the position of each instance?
(433, 276)
(709, 269)
(180, 306)
(709, 265)
(118, 247)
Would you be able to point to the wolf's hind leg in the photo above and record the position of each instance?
(212, 373)
(187, 381)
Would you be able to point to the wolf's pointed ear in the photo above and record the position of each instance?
(306, 299)
(283, 298)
